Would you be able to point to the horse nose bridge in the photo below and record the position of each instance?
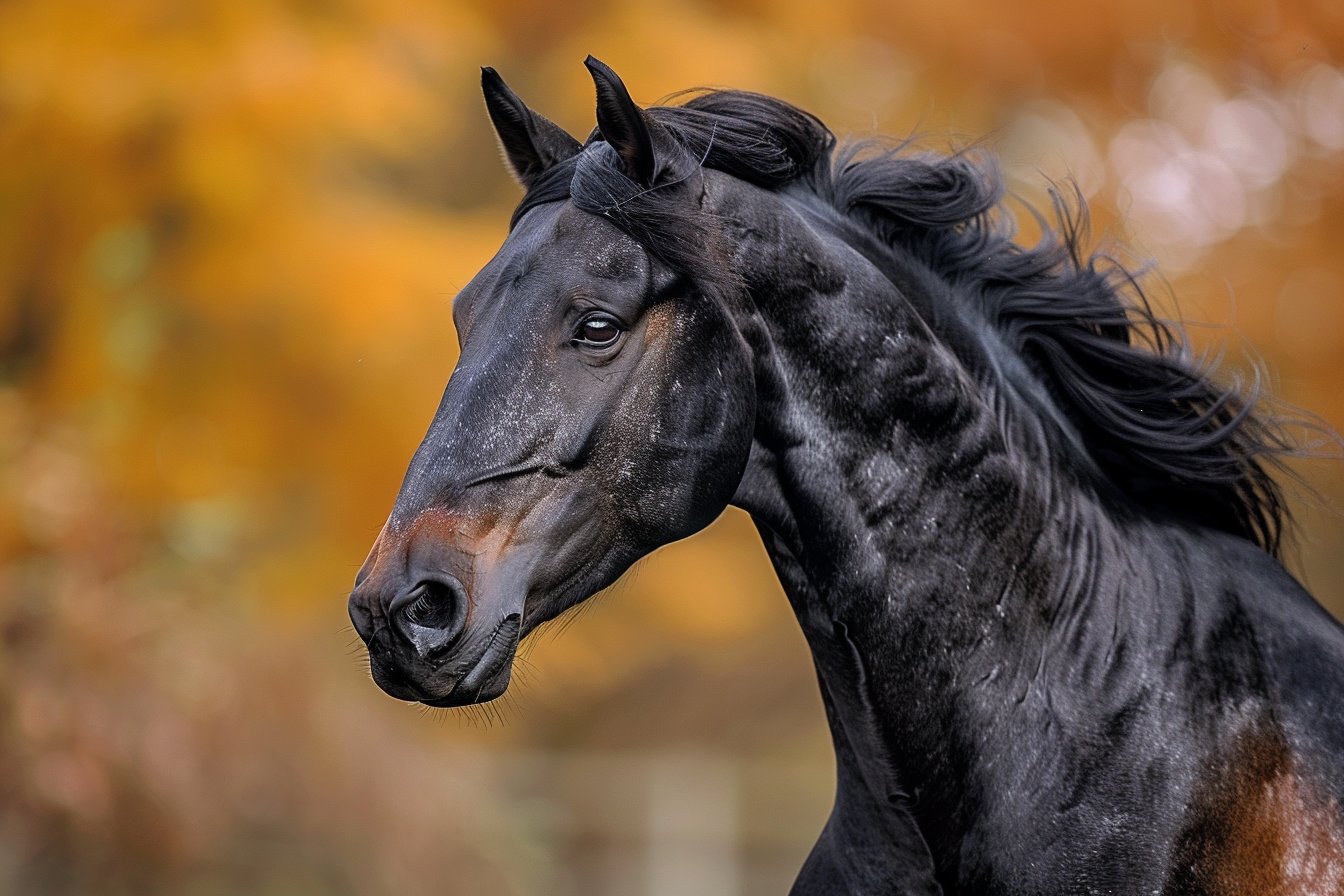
(490, 416)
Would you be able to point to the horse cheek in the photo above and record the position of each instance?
(726, 419)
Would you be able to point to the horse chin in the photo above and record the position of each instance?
(492, 686)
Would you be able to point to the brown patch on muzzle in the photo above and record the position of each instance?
(418, 568)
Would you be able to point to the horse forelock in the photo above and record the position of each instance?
(1152, 420)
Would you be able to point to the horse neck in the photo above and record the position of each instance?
(905, 487)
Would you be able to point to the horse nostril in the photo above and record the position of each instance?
(431, 615)
(434, 606)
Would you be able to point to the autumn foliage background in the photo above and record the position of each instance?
(230, 234)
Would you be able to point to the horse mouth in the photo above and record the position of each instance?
(484, 679)
(489, 677)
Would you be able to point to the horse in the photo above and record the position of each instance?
(1032, 544)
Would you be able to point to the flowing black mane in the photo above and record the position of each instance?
(1155, 423)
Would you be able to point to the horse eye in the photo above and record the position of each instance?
(597, 331)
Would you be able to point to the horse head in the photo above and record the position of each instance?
(602, 405)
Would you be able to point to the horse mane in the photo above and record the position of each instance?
(1150, 417)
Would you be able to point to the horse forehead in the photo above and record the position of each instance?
(594, 247)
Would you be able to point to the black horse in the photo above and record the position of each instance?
(1031, 544)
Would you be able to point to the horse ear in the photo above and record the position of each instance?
(622, 123)
(531, 142)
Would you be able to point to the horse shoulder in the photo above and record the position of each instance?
(1265, 815)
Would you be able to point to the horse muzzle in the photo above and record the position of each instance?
(436, 632)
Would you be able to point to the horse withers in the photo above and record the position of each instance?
(1033, 548)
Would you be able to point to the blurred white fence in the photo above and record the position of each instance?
(656, 824)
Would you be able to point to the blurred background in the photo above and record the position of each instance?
(230, 234)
